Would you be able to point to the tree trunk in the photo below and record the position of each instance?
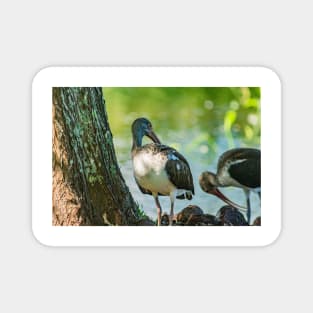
(88, 188)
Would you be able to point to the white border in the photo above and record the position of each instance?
(156, 76)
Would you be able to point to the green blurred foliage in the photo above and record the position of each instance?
(208, 113)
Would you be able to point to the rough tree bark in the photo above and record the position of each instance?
(88, 188)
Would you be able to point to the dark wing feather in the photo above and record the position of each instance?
(238, 154)
(247, 173)
(178, 170)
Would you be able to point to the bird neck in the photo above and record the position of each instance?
(216, 182)
(137, 141)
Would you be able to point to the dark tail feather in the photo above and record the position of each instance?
(186, 195)
(189, 195)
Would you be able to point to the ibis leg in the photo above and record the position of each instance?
(247, 193)
(159, 209)
(172, 196)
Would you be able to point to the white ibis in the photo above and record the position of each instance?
(159, 170)
(239, 167)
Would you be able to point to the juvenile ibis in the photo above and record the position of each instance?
(240, 167)
(229, 216)
(159, 170)
(188, 213)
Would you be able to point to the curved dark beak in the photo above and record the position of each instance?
(218, 194)
(151, 134)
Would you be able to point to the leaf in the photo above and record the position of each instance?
(229, 120)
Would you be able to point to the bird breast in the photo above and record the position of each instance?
(149, 170)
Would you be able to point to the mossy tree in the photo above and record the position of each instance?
(88, 187)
